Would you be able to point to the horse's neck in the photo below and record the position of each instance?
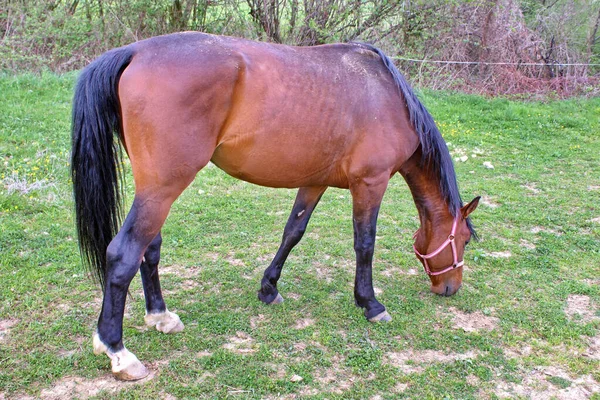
(427, 194)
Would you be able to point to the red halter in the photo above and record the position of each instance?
(449, 241)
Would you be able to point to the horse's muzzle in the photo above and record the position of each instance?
(445, 289)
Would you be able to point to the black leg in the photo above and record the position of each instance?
(124, 257)
(366, 202)
(156, 310)
(306, 201)
(149, 272)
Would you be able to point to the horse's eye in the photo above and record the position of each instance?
(467, 242)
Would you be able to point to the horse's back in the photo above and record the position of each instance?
(274, 115)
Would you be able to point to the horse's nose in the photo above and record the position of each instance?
(446, 289)
(451, 289)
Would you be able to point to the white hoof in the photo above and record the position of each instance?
(277, 300)
(166, 322)
(124, 364)
(381, 317)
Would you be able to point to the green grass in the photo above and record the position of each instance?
(540, 211)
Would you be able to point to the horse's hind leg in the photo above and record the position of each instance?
(306, 201)
(124, 258)
(366, 200)
(156, 310)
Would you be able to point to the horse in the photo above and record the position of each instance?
(338, 115)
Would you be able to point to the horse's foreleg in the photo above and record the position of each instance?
(366, 200)
(156, 311)
(306, 201)
(124, 257)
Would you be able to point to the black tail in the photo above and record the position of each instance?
(96, 157)
(435, 154)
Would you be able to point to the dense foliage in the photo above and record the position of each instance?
(62, 35)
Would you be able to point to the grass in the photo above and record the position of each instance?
(538, 258)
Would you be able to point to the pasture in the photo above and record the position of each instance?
(525, 323)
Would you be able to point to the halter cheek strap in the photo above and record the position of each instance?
(449, 241)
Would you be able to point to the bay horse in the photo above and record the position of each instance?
(336, 115)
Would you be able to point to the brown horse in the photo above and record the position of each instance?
(286, 117)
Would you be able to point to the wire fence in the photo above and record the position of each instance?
(559, 64)
(533, 79)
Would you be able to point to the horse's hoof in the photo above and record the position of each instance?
(381, 317)
(166, 322)
(126, 366)
(278, 300)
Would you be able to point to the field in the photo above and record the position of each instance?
(525, 324)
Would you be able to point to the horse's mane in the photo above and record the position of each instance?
(435, 155)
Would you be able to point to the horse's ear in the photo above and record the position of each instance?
(469, 208)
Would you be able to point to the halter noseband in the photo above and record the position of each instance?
(449, 241)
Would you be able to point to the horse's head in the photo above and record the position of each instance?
(440, 248)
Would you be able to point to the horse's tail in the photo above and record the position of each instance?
(96, 157)
(434, 152)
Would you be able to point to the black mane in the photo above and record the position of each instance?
(435, 154)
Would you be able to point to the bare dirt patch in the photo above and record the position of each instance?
(526, 244)
(5, 326)
(500, 254)
(517, 352)
(334, 380)
(275, 370)
(473, 380)
(591, 282)
(293, 296)
(322, 271)
(472, 322)
(74, 387)
(538, 229)
(304, 323)
(258, 320)
(487, 201)
(579, 308)
(410, 361)
(236, 262)
(291, 396)
(538, 384)
(67, 353)
(395, 271)
(179, 270)
(531, 187)
(596, 220)
(188, 284)
(299, 346)
(593, 351)
(241, 343)
(400, 387)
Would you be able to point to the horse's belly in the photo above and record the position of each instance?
(285, 165)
